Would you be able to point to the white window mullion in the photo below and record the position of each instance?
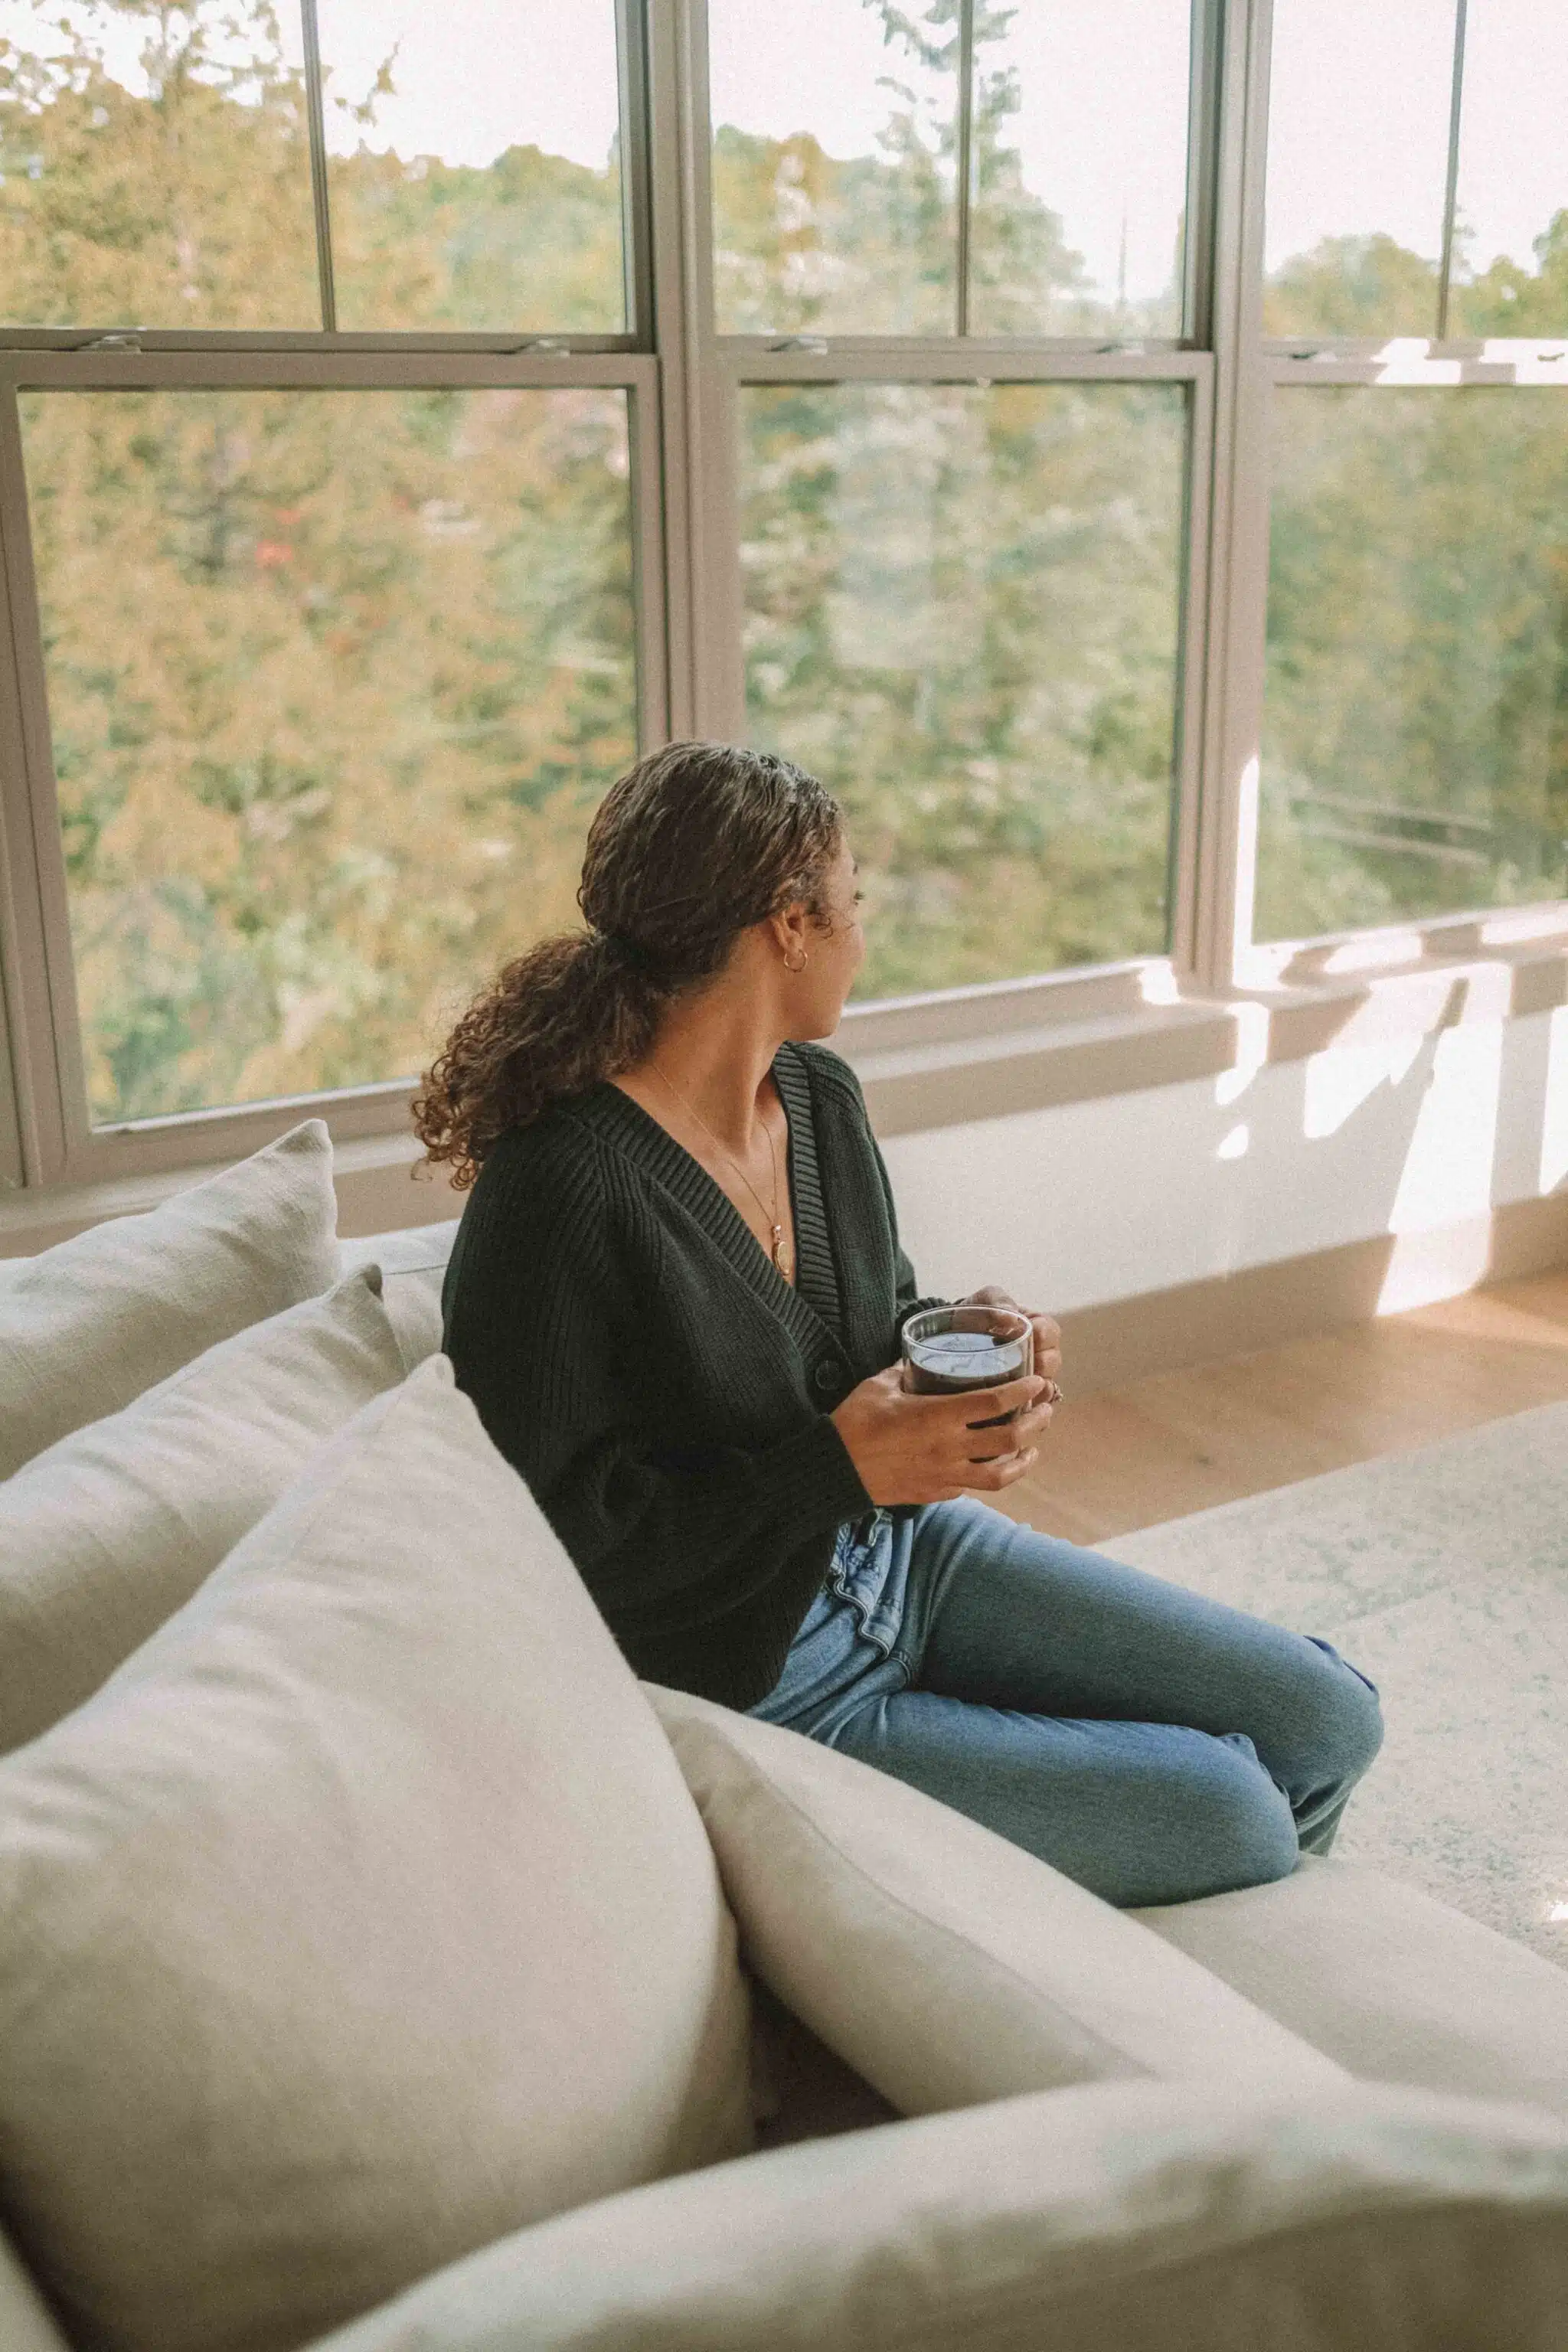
(39, 978)
(700, 455)
(1237, 565)
(1191, 672)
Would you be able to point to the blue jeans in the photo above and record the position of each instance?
(1152, 1745)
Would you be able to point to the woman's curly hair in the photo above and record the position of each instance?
(694, 844)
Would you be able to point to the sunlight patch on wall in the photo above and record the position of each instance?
(1555, 1109)
(1343, 1078)
(1448, 1172)
(1251, 1053)
(1432, 1265)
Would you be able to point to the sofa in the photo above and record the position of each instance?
(385, 1968)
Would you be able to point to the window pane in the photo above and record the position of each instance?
(475, 171)
(1358, 161)
(1415, 739)
(833, 144)
(155, 165)
(1081, 167)
(961, 614)
(1511, 226)
(335, 680)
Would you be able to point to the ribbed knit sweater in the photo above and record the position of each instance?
(634, 1353)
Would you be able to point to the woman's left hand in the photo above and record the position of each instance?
(1047, 1330)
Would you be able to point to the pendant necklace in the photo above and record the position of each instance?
(770, 1216)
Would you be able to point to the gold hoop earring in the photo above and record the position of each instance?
(805, 960)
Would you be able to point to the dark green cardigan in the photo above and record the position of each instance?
(665, 1392)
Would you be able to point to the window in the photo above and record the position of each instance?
(332, 676)
(1415, 706)
(961, 612)
(963, 514)
(1120, 444)
(156, 168)
(471, 181)
(341, 598)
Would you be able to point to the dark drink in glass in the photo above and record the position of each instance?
(949, 1351)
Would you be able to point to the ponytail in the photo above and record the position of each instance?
(694, 844)
(557, 1020)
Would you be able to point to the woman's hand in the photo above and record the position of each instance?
(1047, 1330)
(925, 1449)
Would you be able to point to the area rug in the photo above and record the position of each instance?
(1443, 1575)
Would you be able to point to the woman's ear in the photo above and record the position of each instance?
(792, 929)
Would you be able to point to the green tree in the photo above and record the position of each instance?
(186, 207)
(1353, 286)
(1416, 753)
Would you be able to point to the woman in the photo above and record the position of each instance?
(676, 1299)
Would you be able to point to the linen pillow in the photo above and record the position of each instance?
(105, 1534)
(362, 1916)
(1120, 2216)
(88, 1325)
(413, 1262)
(943, 1964)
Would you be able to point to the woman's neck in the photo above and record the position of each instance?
(716, 1052)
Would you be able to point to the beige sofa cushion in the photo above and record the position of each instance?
(1124, 2216)
(1388, 1980)
(413, 1262)
(25, 2325)
(362, 1916)
(88, 1325)
(107, 1532)
(943, 1964)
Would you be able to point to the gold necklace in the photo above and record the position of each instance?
(770, 1215)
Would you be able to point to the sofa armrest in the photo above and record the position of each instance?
(1155, 2217)
(946, 1966)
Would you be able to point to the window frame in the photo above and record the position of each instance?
(1080, 1030)
(59, 1143)
(1264, 364)
(722, 365)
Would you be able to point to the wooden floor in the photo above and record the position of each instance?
(1180, 1440)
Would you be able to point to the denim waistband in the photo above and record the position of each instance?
(870, 1571)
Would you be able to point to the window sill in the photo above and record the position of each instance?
(988, 1053)
(1036, 1051)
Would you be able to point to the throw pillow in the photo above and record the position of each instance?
(1123, 2217)
(107, 1532)
(88, 1325)
(413, 1262)
(362, 1915)
(943, 1964)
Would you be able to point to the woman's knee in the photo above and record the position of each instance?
(1243, 1831)
(1349, 1717)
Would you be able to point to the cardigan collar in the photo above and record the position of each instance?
(810, 1306)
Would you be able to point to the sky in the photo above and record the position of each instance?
(1359, 135)
(1361, 97)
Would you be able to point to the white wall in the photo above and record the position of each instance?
(1099, 1201)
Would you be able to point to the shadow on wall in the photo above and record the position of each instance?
(1377, 1162)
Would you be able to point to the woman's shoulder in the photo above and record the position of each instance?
(547, 1165)
(834, 1085)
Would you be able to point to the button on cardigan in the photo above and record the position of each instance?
(636, 1357)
